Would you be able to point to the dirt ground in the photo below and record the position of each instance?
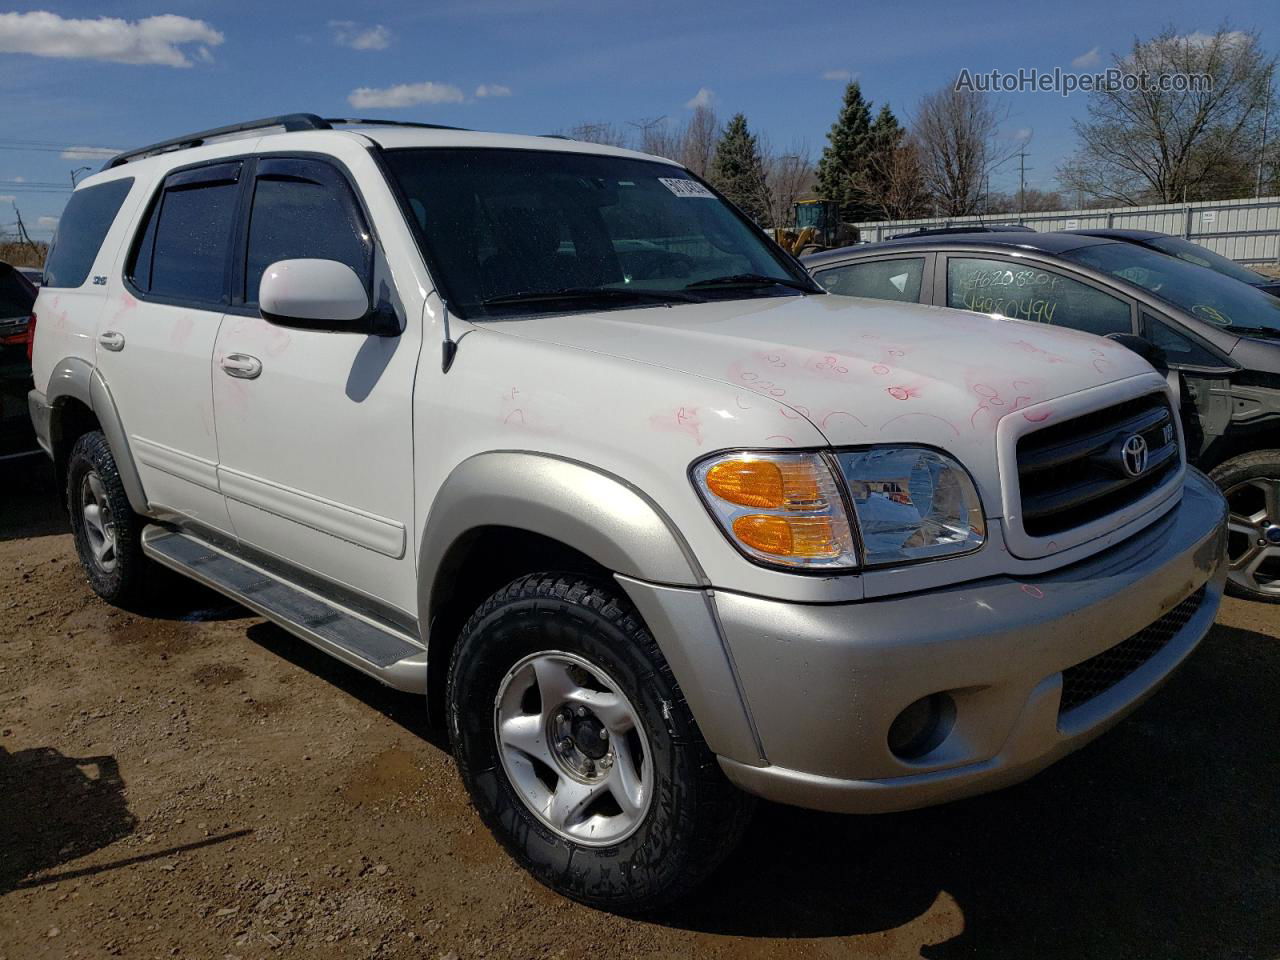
(191, 781)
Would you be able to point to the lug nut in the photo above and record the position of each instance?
(562, 717)
(566, 744)
(582, 711)
(604, 734)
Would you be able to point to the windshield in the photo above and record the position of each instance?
(509, 232)
(1194, 253)
(1206, 294)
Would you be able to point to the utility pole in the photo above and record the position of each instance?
(1022, 181)
(1262, 152)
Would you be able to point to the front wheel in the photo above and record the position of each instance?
(1251, 484)
(578, 750)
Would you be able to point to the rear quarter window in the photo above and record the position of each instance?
(81, 230)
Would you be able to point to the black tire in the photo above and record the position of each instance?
(121, 580)
(695, 817)
(1240, 480)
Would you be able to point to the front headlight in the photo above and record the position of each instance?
(912, 503)
(782, 508)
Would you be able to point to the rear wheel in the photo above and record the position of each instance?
(578, 750)
(1251, 484)
(107, 532)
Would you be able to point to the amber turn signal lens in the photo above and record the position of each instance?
(783, 536)
(751, 483)
(763, 483)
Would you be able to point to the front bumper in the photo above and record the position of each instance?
(823, 683)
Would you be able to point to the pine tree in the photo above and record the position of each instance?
(845, 156)
(738, 169)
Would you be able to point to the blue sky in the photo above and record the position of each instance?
(534, 66)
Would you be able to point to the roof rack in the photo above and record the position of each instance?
(290, 121)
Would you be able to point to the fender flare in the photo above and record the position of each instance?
(619, 527)
(75, 378)
(594, 512)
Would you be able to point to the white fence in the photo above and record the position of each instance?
(1244, 230)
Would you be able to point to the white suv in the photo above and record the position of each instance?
(550, 433)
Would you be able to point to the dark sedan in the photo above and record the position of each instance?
(1218, 337)
(1190, 252)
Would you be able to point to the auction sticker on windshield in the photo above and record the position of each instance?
(685, 188)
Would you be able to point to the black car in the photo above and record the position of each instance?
(1218, 338)
(1191, 252)
(17, 294)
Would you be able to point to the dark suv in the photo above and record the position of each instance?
(17, 294)
(1218, 338)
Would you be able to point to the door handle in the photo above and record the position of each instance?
(110, 340)
(241, 365)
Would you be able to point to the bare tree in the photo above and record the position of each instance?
(956, 133)
(698, 146)
(1199, 139)
(1033, 201)
(788, 177)
(609, 134)
(892, 185)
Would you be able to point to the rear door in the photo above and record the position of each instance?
(1024, 289)
(156, 337)
(315, 427)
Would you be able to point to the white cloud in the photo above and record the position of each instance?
(405, 95)
(348, 33)
(8, 198)
(1090, 58)
(153, 40)
(17, 179)
(88, 153)
(705, 97)
(1022, 133)
(842, 75)
(493, 90)
(47, 222)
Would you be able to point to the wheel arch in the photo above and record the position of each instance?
(80, 401)
(503, 514)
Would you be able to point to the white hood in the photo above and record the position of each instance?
(862, 371)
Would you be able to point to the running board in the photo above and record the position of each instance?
(376, 649)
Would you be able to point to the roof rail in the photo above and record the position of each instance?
(290, 121)
(362, 122)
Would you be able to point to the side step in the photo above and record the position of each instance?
(376, 649)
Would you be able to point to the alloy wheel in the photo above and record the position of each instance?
(99, 522)
(1253, 550)
(574, 748)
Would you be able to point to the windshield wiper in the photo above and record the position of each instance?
(753, 280)
(606, 294)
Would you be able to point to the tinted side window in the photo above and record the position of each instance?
(186, 243)
(1027, 292)
(1178, 347)
(880, 279)
(83, 227)
(303, 209)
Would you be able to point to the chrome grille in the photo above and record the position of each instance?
(1074, 472)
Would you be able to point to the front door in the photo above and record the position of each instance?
(315, 427)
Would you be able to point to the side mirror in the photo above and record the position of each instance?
(1144, 348)
(316, 295)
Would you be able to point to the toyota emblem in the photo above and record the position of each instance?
(1133, 455)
